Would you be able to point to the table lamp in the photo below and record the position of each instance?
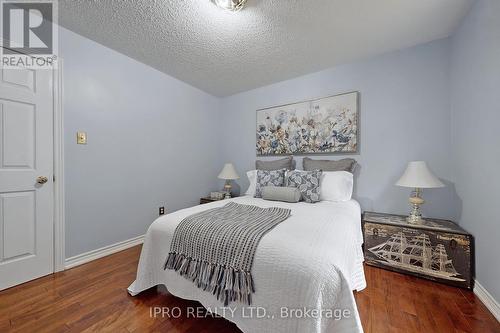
(418, 176)
(228, 173)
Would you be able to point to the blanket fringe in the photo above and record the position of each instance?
(226, 283)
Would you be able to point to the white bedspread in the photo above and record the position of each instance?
(311, 261)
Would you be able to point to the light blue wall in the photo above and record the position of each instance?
(405, 115)
(152, 141)
(475, 105)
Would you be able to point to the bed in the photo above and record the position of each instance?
(304, 270)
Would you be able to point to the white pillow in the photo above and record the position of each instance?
(336, 186)
(252, 178)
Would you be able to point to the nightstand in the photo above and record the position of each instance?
(207, 200)
(435, 249)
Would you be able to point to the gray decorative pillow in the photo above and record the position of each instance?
(286, 194)
(307, 182)
(268, 178)
(346, 164)
(284, 163)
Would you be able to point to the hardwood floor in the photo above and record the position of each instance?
(93, 297)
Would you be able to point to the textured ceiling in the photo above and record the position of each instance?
(268, 41)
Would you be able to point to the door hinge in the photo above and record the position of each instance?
(53, 178)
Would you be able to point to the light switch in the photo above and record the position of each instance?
(81, 138)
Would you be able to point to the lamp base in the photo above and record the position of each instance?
(416, 201)
(227, 189)
(414, 219)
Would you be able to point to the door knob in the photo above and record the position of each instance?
(41, 179)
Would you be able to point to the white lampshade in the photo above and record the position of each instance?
(418, 175)
(228, 172)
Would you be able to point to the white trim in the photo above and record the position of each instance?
(103, 251)
(487, 300)
(59, 202)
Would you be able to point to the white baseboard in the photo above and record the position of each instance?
(102, 252)
(487, 300)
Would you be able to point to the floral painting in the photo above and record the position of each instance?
(326, 125)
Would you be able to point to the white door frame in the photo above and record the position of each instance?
(59, 199)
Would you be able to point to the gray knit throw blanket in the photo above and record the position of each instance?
(215, 248)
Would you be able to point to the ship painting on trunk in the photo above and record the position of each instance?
(432, 254)
(416, 255)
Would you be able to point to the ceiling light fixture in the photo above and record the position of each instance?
(231, 5)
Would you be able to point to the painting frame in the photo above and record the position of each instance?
(356, 118)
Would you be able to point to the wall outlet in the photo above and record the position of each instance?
(161, 211)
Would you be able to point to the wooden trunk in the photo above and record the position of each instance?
(437, 250)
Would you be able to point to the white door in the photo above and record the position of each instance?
(26, 156)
